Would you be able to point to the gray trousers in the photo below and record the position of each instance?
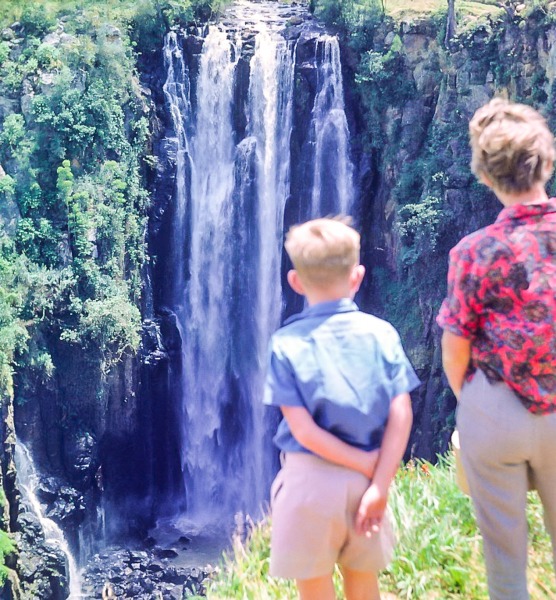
(504, 448)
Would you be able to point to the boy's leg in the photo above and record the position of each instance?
(360, 586)
(319, 588)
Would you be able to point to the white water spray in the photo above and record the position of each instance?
(28, 480)
(333, 171)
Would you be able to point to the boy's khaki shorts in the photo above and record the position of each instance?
(313, 504)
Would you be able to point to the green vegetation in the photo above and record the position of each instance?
(438, 554)
(74, 163)
(7, 547)
(74, 130)
(40, 20)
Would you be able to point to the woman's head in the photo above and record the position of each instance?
(512, 147)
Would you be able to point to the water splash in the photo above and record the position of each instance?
(28, 480)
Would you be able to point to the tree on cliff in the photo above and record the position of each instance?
(450, 23)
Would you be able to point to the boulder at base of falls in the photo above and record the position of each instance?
(141, 575)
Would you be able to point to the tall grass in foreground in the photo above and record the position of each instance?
(438, 554)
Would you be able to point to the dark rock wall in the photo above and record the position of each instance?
(412, 127)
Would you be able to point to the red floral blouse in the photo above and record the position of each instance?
(502, 296)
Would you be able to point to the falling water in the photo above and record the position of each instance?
(231, 193)
(207, 328)
(28, 480)
(270, 122)
(176, 92)
(333, 171)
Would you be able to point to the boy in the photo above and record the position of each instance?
(342, 382)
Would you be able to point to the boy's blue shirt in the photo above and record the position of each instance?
(344, 366)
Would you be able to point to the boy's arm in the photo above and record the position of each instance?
(394, 443)
(325, 444)
(456, 353)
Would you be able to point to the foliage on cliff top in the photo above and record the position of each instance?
(438, 554)
(470, 8)
(42, 19)
(356, 16)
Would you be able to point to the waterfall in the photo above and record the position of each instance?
(28, 479)
(176, 93)
(232, 145)
(207, 326)
(270, 122)
(333, 172)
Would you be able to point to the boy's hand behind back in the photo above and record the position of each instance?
(371, 510)
(373, 503)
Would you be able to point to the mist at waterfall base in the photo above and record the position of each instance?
(256, 139)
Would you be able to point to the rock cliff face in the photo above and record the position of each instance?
(411, 108)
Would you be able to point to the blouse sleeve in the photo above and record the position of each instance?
(460, 312)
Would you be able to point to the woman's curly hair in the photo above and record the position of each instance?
(511, 145)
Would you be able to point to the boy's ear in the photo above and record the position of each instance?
(295, 282)
(356, 278)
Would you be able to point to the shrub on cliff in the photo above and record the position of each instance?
(36, 21)
(13, 335)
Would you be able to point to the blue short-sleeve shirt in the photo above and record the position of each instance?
(344, 366)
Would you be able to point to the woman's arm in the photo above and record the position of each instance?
(327, 445)
(456, 354)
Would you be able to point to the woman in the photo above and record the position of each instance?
(499, 340)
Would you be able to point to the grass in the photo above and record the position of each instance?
(438, 555)
(11, 10)
(400, 9)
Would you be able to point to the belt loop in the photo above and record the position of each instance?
(282, 458)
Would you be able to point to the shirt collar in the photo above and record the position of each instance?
(325, 309)
(521, 211)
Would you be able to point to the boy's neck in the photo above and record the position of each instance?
(344, 288)
(319, 296)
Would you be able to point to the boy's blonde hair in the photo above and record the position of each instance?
(323, 251)
(511, 145)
